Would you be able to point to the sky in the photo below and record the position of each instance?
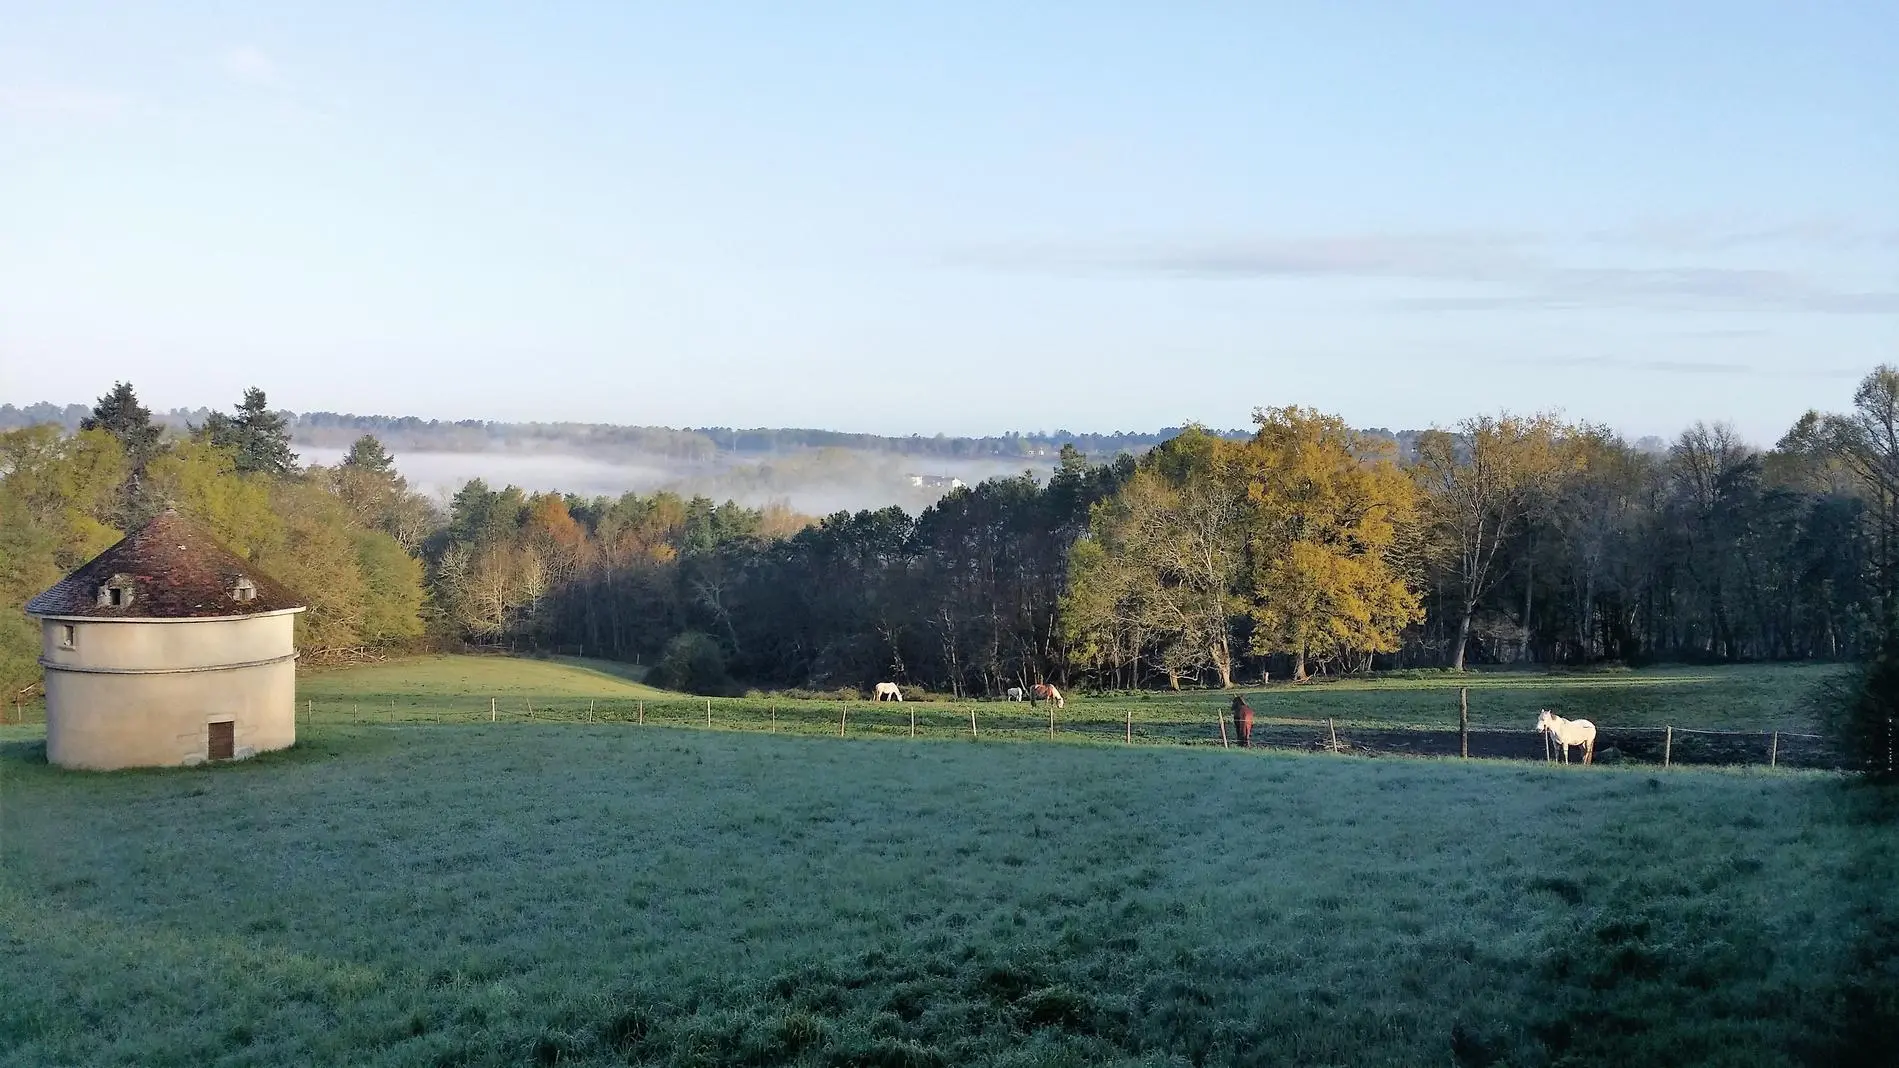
(960, 218)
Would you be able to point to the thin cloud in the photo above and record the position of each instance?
(57, 102)
(1511, 272)
(1680, 235)
(1667, 289)
(1691, 367)
(248, 63)
(1696, 367)
(1388, 256)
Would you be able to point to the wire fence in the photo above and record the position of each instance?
(1663, 746)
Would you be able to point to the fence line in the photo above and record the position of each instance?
(1631, 744)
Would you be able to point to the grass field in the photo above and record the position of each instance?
(1745, 697)
(460, 689)
(522, 894)
(1415, 713)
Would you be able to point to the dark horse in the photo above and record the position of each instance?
(1242, 719)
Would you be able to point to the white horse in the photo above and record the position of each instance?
(888, 691)
(1042, 691)
(1013, 693)
(1568, 732)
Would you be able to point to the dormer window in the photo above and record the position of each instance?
(116, 593)
(243, 590)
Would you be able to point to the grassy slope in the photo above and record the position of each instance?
(1739, 698)
(1747, 697)
(422, 681)
(494, 895)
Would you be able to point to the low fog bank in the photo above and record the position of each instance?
(815, 482)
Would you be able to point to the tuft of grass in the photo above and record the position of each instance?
(509, 894)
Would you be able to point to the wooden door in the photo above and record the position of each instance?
(223, 740)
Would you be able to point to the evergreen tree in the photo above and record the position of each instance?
(368, 454)
(258, 437)
(120, 414)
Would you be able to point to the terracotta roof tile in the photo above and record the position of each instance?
(167, 569)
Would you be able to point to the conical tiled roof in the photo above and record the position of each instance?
(167, 569)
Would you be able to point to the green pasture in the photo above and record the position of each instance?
(1738, 697)
(593, 895)
(460, 689)
(434, 681)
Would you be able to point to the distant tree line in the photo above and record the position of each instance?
(337, 430)
(347, 537)
(1304, 547)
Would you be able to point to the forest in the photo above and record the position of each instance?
(1302, 548)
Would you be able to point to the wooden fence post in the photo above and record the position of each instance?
(774, 717)
(1334, 732)
(913, 722)
(1130, 724)
(972, 724)
(493, 714)
(1223, 742)
(708, 711)
(843, 718)
(530, 704)
(1463, 721)
(1668, 745)
(589, 710)
(642, 713)
(1051, 721)
(1773, 750)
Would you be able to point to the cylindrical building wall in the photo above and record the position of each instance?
(146, 694)
(167, 644)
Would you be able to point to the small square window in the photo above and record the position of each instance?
(116, 592)
(68, 635)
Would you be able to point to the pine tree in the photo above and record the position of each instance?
(258, 437)
(367, 454)
(120, 414)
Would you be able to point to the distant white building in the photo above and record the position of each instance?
(943, 482)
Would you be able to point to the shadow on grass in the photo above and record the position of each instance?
(611, 669)
(1640, 980)
(1868, 1002)
(30, 756)
(32, 751)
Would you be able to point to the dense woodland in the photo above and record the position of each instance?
(1305, 547)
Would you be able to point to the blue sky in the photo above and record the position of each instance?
(961, 218)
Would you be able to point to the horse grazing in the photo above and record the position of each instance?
(1042, 691)
(888, 691)
(1568, 732)
(1013, 693)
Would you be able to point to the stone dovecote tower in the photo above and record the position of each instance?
(167, 649)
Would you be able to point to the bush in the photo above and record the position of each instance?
(694, 663)
(841, 693)
(1861, 712)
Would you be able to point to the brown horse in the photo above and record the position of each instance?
(1242, 720)
(1042, 691)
